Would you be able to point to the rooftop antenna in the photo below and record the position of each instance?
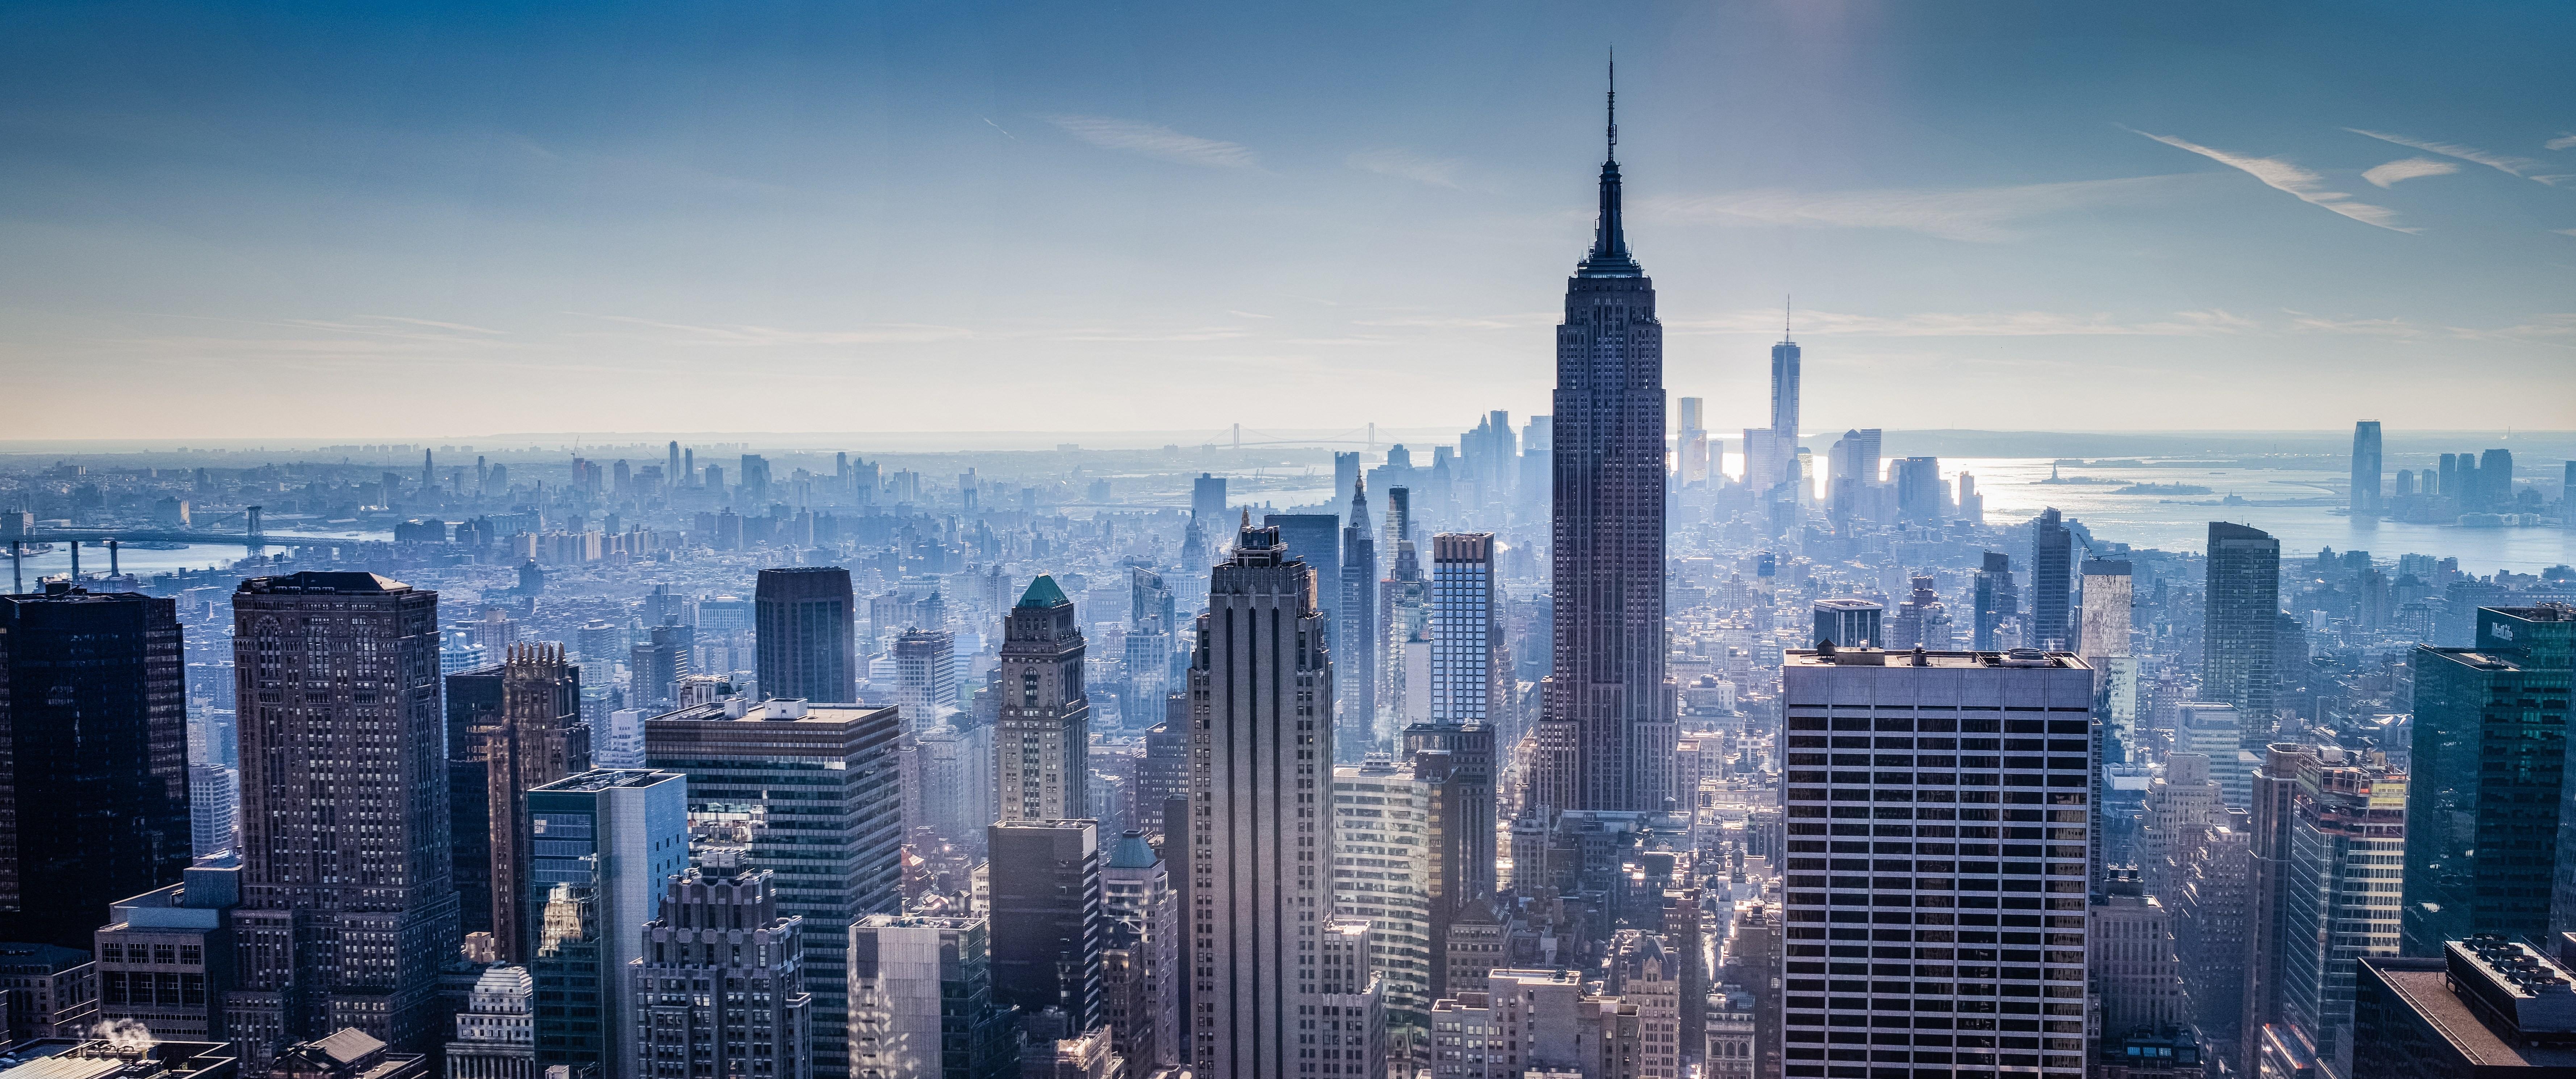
(1613, 152)
(1786, 306)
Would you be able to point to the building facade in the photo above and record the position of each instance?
(805, 638)
(1042, 738)
(1048, 925)
(603, 842)
(1937, 842)
(717, 991)
(347, 908)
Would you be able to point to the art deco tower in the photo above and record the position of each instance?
(1041, 748)
(1607, 739)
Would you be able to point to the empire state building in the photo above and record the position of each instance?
(1606, 729)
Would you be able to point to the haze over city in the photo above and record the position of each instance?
(997, 541)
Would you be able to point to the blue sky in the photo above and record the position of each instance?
(249, 219)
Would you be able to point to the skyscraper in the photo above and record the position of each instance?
(1207, 501)
(1136, 896)
(1455, 767)
(1691, 446)
(1784, 403)
(804, 638)
(1849, 623)
(817, 790)
(1997, 599)
(2242, 611)
(1048, 925)
(1042, 738)
(2365, 467)
(2348, 822)
(1607, 699)
(1382, 868)
(603, 843)
(1359, 634)
(1261, 848)
(1919, 495)
(94, 777)
(347, 910)
(730, 932)
(921, 1002)
(2484, 843)
(539, 739)
(1470, 659)
(2052, 560)
(1939, 802)
(1316, 540)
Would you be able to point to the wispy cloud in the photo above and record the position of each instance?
(2408, 169)
(1982, 214)
(2561, 142)
(1978, 324)
(1464, 322)
(750, 336)
(1405, 164)
(2523, 167)
(2564, 232)
(1157, 141)
(2281, 175)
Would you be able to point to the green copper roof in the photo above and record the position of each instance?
(1043, 593)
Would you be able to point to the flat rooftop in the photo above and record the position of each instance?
(2427, 989)
(1872, 657)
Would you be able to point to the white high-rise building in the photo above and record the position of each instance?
(1470, 659)
(1261, 841)
(1937, 841)
(1382, 866)
(2214, 730)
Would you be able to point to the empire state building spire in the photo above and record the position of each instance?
(1609, 256)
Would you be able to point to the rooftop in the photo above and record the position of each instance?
(1872, 657)
(600, 779)
(313, 582)
(2424, 985)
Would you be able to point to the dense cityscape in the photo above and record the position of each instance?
(1584, 743)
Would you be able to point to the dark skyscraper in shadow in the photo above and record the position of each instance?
(94, 780)
(2243, 613)
(2052, 569)
(804, 619)
(1606, 740)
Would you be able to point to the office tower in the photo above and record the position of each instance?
(164, 958)
(2484, 842)
(1351, 1034)
(2105, 632)
(1921, 620)
(347, 909)
(537, 738)
(1607, 698)
(2052, 555)
(496, 1034)
(1972, 506)
(1459, 764)
(1998, 601)
(214, 808)
(1691, 446)
(925, 686)
(1405, 598)
(618, 743)
(1359, 631)
(1346, 476)
(805, 643)
(1784, 394)
(1399, 523)
(473, 716)
(2181, 806)
(94, 780)
(1855, 456)
(654, 668)
(1848, 623)
(2365, 467)
(603, 842)
(2495, 478)
(817, 789)
(1207, 500)
(1042, 738)
(2483, 1007)
(1261, 710)
(2216, 732)
(1948, 806)
(1919, 495)
(601, 644)
(1145, 923)
(2211, 914)
(2268, 828)
(1382, 872)
(1149, 601)
(1316, 539)
(1048, 927)
(2348, 820)
(2243, 610)
(2134, 966)
(755, 479)
(1470, 659)
(724, 933)
(921, 1004)
(1148, 665)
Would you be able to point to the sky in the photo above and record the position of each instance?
(385, 220)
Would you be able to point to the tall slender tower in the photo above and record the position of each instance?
(1042, 741)
(2242, 618)
(804, 627)
(1607, 699)
(1359, 635)
(538, 739)
(2052, 557)
(2365, 467)
(1784, 402)
(1261, 842)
